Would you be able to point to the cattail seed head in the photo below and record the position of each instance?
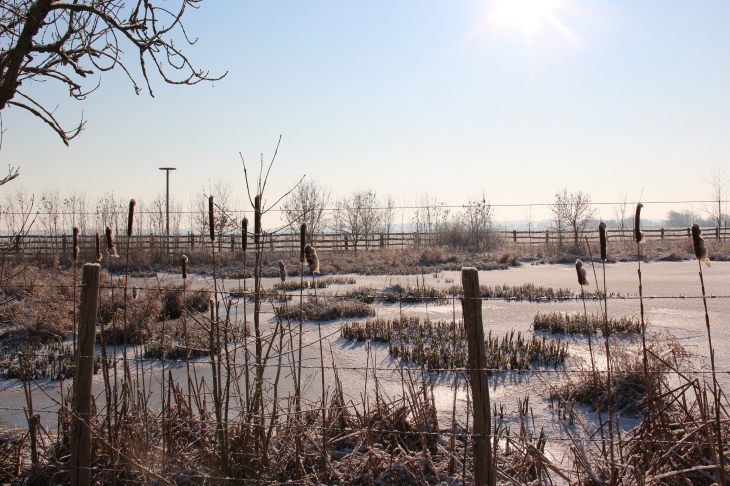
(135, 292)
(698, 242)
(282, 271)
(244, 233)
(98, 247)
(110, 248)
(310, 254)
(130, 218)
(211, 218)
(638, 234)
(603, 237)
(76, 243)
(302, 241)
(257, 218)
(184, 261)
(582, 274)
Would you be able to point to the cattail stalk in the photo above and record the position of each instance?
(215, 360)
(583, 281)
(110, 248)
(302, 241)
(257, 218)
(211, 218)
(700, 249)
(313, 262)
(639, 238)
(75, 258)
(76, 244)
(244, 234)
(130, 218)
(98, 247)
(184, 265)
(297, 403)
(603, 244)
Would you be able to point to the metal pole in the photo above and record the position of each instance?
(167, 205)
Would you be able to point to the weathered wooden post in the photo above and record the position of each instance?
(662, 233)
(484, 473)
(80, 431)
(514, 235)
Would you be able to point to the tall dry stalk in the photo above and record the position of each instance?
(700, 250)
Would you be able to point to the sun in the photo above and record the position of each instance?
(531, 16)
(528, 14)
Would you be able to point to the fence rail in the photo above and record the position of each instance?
(62, 244)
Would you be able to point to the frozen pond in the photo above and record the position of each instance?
(671, 305)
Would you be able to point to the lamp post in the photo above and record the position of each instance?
(167, 205)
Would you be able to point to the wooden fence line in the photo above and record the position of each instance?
(61, 244)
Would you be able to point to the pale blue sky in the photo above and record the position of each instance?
(413, 96)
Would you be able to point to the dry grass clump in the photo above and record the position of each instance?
(328, 309)
(576, 323)
(155, 302)
(509, 258)
(34, 360)
(168, 341)
(38, 304)
(628, 377)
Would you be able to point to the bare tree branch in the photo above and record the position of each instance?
(67, 41)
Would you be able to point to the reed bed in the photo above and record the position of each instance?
(441, 345)
(35, 359)
(320, 284)
(577, 323)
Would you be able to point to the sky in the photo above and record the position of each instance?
(514, 98)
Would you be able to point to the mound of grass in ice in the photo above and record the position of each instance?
(442, 344)
(576, 323)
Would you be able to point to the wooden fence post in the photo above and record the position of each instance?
(80, 432)
(484, 473)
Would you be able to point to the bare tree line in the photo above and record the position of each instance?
(359, 215)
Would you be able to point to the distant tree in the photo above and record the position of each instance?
(358, 215)
(620, 211)
(68, 42)
(477, 217)
(718, 193)
(387, 217)
(557, 216)
(572, 210)
(51, 212)
(307, 203)
(75, 211)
